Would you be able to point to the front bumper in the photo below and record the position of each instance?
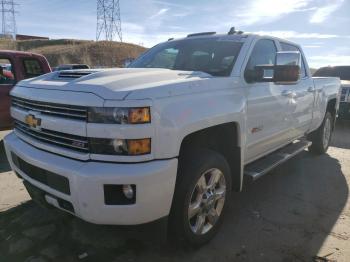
(154, 180)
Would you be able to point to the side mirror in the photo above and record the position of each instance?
(287, 67)
(285, 70)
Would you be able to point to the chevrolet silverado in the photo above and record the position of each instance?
(173, 134)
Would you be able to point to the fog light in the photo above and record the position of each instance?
(128, 191)
(119, 194)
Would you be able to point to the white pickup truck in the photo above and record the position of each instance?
(172, 135)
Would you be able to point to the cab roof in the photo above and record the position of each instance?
(14, 53)
(238, 36)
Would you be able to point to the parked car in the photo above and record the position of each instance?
(171, 136)
(16, 66)
(70, 67)
(343, 72)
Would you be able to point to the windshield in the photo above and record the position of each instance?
(214, 56)
(343, 72)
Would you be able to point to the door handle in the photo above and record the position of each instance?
(289, 94)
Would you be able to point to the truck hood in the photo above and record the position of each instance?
(119, 84)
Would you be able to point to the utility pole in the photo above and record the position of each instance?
(108, 20)
(8, 19)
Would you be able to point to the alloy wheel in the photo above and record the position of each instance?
(207, 201)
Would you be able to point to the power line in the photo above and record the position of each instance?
(108, 20)
(8, 18)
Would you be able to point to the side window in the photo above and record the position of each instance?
(264, 53)
(7, 76)
(289, 47)
(32, 68)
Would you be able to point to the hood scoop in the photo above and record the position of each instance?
(73, 74)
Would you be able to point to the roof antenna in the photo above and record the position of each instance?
(232, 31)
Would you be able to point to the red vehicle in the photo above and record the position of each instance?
(14, 67)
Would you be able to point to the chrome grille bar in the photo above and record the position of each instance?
(54, 137)
(72, 112)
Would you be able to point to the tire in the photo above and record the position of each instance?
(208, 205)
(321, 137)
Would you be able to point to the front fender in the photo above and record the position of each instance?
(177, 117)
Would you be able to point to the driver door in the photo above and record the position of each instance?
(268, 119)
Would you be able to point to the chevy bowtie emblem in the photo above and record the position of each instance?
(32, 121)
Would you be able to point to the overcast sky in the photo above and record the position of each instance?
(322, 27)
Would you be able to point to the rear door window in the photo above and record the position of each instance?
(289, 47)
(7, 75)
(32, 68)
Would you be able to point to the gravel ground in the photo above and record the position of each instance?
(298, 212)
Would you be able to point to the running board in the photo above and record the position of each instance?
(264, 165)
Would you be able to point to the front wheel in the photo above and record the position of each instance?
(322, 136)
(201, 197)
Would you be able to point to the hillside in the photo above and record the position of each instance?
(65, 51)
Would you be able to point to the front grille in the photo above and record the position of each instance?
(52, 180)
(60, 110)
(53, 137)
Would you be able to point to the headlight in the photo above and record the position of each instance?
(119, 115)
(128, 147)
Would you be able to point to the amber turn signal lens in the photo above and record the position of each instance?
(139, 115)
(139, 146)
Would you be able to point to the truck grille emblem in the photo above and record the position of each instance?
(32, 121)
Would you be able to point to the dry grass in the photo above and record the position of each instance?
(65, 51)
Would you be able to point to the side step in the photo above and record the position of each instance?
(264, 165)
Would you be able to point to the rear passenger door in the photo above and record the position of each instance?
(303, 102)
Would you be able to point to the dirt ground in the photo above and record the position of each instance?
(298, 212)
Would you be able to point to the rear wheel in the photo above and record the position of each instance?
(322, 136)
(201, 196)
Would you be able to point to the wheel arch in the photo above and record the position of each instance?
(222, 138)
(332, 108)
